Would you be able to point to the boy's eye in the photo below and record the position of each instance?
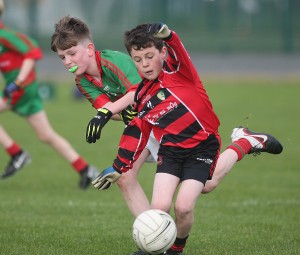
(62, 57)
(137, 60)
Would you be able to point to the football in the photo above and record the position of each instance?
(154, 231)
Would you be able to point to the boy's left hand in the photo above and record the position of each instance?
(10, 88)
(128, 114)
(105, 179)
(93, 130)
(159, 30)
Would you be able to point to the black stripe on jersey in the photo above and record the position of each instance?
(123, 153)
(185, 134)
(132, 131)
(172, 116)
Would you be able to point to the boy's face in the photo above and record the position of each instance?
(79, 55)
(149, 61)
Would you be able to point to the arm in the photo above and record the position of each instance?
(119, 105)
(133, 141)
(177, 55)
(26, 52)
(94, 128)
(25, 70)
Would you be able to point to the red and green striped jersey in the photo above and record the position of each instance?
(118, 76)
(14, 48)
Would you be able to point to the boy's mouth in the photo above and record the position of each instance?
(73, 69)
(149, 72)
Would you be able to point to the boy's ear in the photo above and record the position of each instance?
(91, 49)
(164, 52)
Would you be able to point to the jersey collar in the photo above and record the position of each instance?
(98, 61)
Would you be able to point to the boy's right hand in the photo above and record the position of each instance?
(159, 30)
(93, 130)
(106, 178)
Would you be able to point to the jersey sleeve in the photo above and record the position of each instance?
(132, 143)
(178, 59)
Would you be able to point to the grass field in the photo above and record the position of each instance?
(256, 209)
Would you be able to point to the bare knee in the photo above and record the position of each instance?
(182, 211)
(45, 137)
(127, 181)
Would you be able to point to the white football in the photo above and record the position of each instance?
(154, 231)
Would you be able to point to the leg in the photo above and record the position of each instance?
(19, 158)
(224, 164)
(165, 184)
(132, 191)
(39, 122)
(184, 206)
(244, 142)
(5, 140)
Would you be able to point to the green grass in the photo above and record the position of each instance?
(254, 211)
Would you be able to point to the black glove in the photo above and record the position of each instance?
(128, 114)
(158, 30)
(10, 88)
(93, 130)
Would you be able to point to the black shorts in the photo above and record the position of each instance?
(196, 163)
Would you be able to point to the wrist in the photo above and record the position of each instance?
(105, 111)
(19, 82)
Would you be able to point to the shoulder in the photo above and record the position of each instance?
(117, 62)
(112, 55)
(16, 37)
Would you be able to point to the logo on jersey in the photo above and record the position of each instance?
(149, 105)
(161, 95)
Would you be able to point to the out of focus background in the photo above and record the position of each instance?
(223, 36)
(247, 53)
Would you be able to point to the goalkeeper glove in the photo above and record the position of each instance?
(106, 178)
(158, 30)
(10, 88)
(128, 114)
(93, 130)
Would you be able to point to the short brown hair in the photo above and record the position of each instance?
(68, 33)
(139, 38)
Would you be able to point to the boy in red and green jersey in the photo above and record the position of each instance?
(15, 47)
(18, 56)
(118, 77)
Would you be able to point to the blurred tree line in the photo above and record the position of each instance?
(263, 26)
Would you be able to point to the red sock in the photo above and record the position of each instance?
(241, 147)
(179, 244)
(13, 150)
(79, 164)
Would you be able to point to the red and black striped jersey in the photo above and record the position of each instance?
(175, 105)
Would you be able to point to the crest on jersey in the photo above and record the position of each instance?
(161, 95)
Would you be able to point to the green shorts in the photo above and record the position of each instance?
(27, 101)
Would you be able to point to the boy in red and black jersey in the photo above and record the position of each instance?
(172, 101)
